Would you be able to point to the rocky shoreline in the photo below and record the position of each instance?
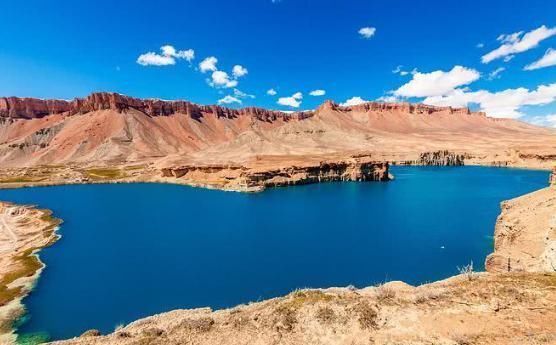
(24, 230)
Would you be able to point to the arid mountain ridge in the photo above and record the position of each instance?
(220, 146)
(28, 108)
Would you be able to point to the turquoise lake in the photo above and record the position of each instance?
(132, 250)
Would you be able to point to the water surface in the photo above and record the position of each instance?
(133, 250)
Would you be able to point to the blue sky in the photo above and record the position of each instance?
(67, 49)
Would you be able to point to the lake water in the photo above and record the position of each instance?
(133, 250)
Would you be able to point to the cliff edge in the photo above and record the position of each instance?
(525, 233)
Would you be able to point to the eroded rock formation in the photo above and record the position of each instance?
(256, 178)
(28, 108)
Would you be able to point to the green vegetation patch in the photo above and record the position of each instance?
(20, 179)
(104, 173)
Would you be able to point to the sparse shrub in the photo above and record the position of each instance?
(367, 315)
(385, 293)
(325, 315)
(203, 324)
(153, 332)
(427, 294)
(286, 318)
(123, 334)
(467, 270)
(91, 333)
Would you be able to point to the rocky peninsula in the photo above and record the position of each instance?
(24, 230)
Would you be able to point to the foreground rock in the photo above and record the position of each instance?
(23, 230)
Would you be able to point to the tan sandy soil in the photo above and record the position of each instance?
(483, 309)
(23, 230)
(525, 235)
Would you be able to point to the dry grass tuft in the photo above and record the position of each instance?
(385, 293)
(325, 315)
(203, 324)
(367, 315)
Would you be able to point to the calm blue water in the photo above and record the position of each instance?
(130, 251)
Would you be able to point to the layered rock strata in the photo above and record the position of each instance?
(256, 178)
(29, 108)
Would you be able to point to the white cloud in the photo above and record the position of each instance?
(208, 64)
(239, 71)
(317, 93)
(154, 59)
(549, 59)
(222, 79)
(293, 101)
(506, 103)
(388, 99)
(353, 101)
(271, 92)
(543, 120)
(367, 32)
(169, 50)
(229, 100)
(437, 83)
(241, 94)
(518, 42)
(480, 45)
(496, 73)
(168, 56)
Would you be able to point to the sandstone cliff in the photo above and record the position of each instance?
(256, 177)
(29, 108)
(525, 233)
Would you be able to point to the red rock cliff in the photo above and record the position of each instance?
(28, 108)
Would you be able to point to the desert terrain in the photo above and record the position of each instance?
(110, 137)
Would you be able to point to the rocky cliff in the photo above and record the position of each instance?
(28, 108)
(525, 233)
(256, 178)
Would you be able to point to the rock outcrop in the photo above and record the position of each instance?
(437, 158)
(441, 158)
(257, 178)
(28, 108)
(410, 108)
(525, 234)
